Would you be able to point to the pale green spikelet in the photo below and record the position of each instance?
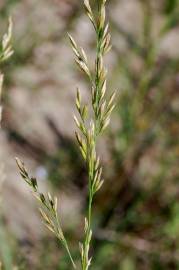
(6, 45)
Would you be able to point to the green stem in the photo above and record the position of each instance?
(69, 253)
(64, 240)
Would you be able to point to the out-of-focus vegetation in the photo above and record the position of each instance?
(136, 217)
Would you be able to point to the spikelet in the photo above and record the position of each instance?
(6, 47)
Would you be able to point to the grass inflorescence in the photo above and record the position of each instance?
(48, 208)
(90, 127)
(6, 52)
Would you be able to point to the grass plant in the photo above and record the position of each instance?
(6, 52)
(139, 171)
(90, 127)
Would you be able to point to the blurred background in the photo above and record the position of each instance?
(136, 214)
